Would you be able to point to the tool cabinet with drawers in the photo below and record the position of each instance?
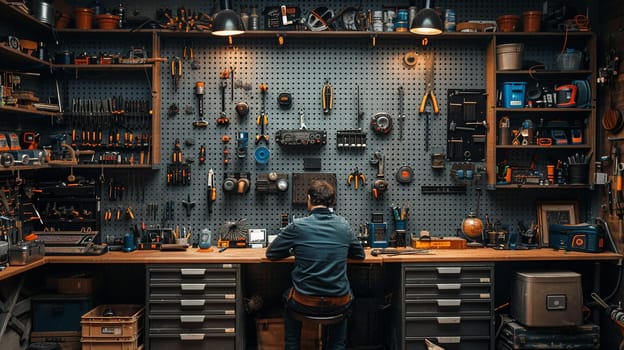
(449, 304)
(194, 306)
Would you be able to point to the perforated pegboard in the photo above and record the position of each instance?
(301, 67)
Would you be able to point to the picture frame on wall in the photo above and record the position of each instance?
(563, 212)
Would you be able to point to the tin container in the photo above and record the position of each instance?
(23, 253)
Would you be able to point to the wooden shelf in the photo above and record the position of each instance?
(21, 110)
(14, 59)
(103, 67)
(543, 110)
(553, 147)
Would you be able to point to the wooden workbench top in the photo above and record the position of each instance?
(257, 255)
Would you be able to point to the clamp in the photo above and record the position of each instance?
(356, 176)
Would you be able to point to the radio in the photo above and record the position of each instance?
(581, 237)
(301, 138)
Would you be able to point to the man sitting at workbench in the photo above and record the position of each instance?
(321, 243)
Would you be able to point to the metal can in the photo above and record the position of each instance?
(449, 20)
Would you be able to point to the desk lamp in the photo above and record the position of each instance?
(426, 22)
(226, 22)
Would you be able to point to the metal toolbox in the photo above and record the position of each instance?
(4, 254)
(515, 336)
(547, 299)
(23, 253)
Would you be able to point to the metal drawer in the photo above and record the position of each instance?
(447, 326)
(193, 341)
(448, 290)
(446, 274)
(192, 306)
(447, 307)
(198, 323)
(212, 274)
(180, 290)
(449, 343)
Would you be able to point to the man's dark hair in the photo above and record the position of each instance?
(322, 192)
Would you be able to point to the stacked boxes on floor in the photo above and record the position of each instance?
(113, 327)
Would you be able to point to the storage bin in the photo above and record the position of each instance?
(126, 321)
(52, 312)
(514, 94)
(122, 343)
(569, 60)
(509, 56)
(547, 299)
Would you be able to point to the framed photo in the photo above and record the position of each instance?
(554, 213)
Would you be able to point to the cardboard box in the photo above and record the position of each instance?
(80, 284)
(270, 334)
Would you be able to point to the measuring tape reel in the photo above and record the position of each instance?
(381, 123)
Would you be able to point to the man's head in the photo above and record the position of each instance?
(321, 192)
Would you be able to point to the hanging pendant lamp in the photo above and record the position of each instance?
(227, 22)
(426, 22)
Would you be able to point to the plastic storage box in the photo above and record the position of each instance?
(53, 312)
(547, 299)
(125, 321)
(514, 94)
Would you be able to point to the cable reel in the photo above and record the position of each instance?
(381, 123)
(319, 18)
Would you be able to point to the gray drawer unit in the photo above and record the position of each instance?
(194, 306)
(449, 303)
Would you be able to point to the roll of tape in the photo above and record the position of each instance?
(410, 58)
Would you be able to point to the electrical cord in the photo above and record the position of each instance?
(619, 263)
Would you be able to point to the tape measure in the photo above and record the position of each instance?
(381, 123)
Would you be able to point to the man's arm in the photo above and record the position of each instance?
(281, 246)
(356, 251)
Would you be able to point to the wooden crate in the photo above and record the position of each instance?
(123, 343)
(126, 322)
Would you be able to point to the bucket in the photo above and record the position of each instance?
(84, 18)
(532, 21)
(509, 56)
(569, 60)
(508, 23)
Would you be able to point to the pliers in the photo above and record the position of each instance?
(327, 95)
(176, 70)
(356, 176)
(429, 88)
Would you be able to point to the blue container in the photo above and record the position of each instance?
(514, 94)
(56, 312)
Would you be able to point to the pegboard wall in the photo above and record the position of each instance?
(300, 67)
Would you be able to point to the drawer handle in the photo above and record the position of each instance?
(448, 340)
(192, 336)
(448, 320)
(193, 286)
(448, 286)
(192, 318)
(449, 270)
(192, 302)
(192, 272)
(449, 302)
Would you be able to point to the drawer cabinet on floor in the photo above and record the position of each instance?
(451, 304)
(194, 307)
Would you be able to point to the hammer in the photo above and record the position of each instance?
(188, 205)
(453, 126)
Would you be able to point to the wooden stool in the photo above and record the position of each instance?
(319, 321)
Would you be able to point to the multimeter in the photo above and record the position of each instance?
(559, 137)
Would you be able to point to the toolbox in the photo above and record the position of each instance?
(54, 312)
(514, 94)
(513, 335)
(23, 253)
(582, 237)
(547, 299)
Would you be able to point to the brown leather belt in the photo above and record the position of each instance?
(315, 301)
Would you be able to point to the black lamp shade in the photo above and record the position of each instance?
(426, 22)
(227, 22)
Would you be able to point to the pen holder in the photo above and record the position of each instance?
(400, 224)
(578, 173)
(400, 238)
